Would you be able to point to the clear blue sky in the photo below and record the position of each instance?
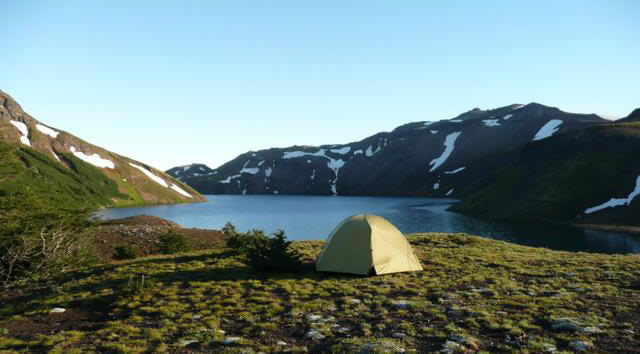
(175, 82)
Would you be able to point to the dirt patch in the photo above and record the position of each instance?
(143, 232)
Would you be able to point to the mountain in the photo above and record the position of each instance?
(583, 176)
(63, 168)
(189, 171)
(443, 158)
(633, 117)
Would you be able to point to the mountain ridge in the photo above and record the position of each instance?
(411, 160)
(60, 156)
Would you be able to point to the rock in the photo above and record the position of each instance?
(549, 348)
(281, 343)
(591, 330)
(381, 347)
(355, 301)
(399, 335)
(197, 317)
(450, 347)
(580, 345)
(314, 334)
(187, 342)
(57, 310)
(565, 325)
(313, 318)
(221, 331)
(232, 340)
(402, 304)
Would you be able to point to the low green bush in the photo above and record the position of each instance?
(125, 252)
(173, 242)
(264, 253)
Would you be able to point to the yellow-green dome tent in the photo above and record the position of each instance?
(367, 244)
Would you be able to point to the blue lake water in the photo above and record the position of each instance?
(314, 217)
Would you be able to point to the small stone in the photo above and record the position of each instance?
(399, 335)
(355, 301)
(197, 317)
(565, 325)
(187, 342)
(591, 330)
(221, 331)
(549, 348)
(580, 345)
(281, 343)
(232, 340)
(449, 347)
(456, 338)
(57, 310)
(401, 304)
(313, 318)
(314, 334)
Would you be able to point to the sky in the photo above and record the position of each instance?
(176, 82)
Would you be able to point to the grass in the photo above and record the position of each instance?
(475, 294)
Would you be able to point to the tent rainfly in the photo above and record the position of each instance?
(367, 244)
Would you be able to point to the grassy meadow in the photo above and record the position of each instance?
(475, 295)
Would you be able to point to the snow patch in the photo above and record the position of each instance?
(333, 164)
(276, 192)
(614, 202)
(428, 123)
(357, 152)
(370, 152)
(252, 170)
(228, 179)
(436, 186)
(454, 171)
(149, 174)
(267, 171)
(507, 116)
(548, 129)
(181, 191)
(449, 143)
(94, 159)
(260, 163)
(46, 130)
(491, 122)
(456, 120)
(342, 151)
(23, 130)
(518, 107)
(54, 155)
(313, 175)
(433, 131)
(449, 192)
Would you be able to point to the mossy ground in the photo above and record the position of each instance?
(475, 294)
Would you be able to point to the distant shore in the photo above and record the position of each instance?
(617, 228)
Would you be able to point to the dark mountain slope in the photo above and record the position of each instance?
(569, 177)
(443, 158)
(62, 167)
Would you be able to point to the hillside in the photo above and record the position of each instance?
(474, 295)
(585, 176)
(63, 168)
(443, 158)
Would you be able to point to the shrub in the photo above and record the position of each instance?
(124, 252)
(137, 286)
(173, 242)
(38, 240)
(272, 254)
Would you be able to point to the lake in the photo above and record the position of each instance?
(314, 217)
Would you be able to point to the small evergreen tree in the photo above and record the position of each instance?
(173, 242)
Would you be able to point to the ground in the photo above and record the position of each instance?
(474, 295)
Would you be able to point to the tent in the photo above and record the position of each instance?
(367, 244)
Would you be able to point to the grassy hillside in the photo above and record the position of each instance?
(81, 185)
(86, 173)
(560, 177)
(474, 295)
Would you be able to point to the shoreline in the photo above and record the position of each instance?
(632, 230)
